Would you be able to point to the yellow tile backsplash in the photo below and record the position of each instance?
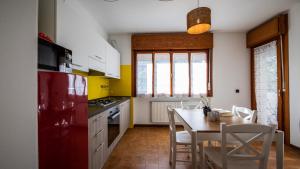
(98, 86)
(122, 86)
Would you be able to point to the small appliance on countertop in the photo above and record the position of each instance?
(54, 57)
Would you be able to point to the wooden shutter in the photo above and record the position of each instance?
(267, 31)
(171, 41)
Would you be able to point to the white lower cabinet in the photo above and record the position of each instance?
(98, 140)
(125, 116)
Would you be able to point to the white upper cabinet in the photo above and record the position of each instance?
(97, 60)
(112, 62)
(71, 32)
(67, 22)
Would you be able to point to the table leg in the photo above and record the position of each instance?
(279, 149)
(194, 149)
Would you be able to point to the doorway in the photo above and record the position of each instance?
(268, 83)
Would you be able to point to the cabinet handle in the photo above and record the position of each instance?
(99, 148)
(98, 118)
(98, 133)
(76, 65)
(98, 57)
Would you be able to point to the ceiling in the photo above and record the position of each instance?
(133, 16)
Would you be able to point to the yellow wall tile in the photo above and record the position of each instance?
(98, 87)
(122, 86)
(94, 85)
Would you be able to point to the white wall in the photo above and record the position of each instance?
(294, 70)
(123, 46)
(231, 70)
(18, 85)
(89, 18)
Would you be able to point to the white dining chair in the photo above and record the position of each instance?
(180, 141)
(246, 155)
(245, 113)
(190, 104)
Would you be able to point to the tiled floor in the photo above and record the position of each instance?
(147, 148)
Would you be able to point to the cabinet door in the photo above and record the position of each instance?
(112, 62)
(116, 64)
(109, 61)
(98, 158)
(127, 114)
(101, 48)
(122, 118)
(98, 141)
(96, 64)
(71, 29)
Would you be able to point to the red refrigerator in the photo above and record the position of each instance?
(62, 121)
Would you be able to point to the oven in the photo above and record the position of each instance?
(113, 124)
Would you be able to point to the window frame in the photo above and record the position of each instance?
(209, 59)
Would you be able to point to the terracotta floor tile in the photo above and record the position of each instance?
(148, 148)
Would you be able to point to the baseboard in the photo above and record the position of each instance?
(154, 125)
(294, 147)
(150, 125)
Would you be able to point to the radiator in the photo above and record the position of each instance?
(159, 113)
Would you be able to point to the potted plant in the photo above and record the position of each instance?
(205, 104)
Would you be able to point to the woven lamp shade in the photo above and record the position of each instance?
(199, 20)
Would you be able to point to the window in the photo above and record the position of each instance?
(172, 73)
(198, 73)
(181, 74)
(144, 74)
(162, 70)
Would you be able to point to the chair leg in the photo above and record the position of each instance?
(200, 145)
(174, 157)
(170, 154)
(171, 148)
(204, 163)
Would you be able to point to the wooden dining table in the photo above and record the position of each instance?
(201, 129)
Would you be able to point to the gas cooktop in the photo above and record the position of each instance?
(101, 102)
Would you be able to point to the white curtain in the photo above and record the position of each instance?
(198, 74)
(144, 75)
(180, 75)
(265, 60)
(162, 69)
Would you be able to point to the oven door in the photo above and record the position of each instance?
(113, 126)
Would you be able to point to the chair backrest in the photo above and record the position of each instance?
(246, 135)
(172, 125)
(245, 113)
(191, 105)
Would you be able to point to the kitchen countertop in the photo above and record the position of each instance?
(94, 110)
